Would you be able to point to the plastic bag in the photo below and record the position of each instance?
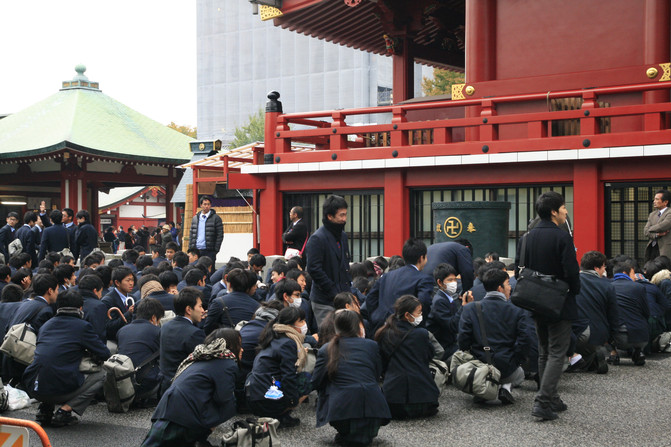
(18, 399)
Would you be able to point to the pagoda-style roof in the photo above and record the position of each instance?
(435, 27)
(82, 118)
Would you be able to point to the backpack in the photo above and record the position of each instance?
(118, 386)
(120, 381)
(20, 343)
(15, 247)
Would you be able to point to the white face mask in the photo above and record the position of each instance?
(451, 287)
(417, 320)
(296, 302)
(304, 329)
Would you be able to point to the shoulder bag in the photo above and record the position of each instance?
(544, 295)
(471, 375)
(258, 432)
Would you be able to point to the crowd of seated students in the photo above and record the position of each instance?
(401, 314)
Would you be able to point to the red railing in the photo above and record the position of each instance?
(636, 120)
(28, 424)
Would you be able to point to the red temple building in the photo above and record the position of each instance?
(571, 96)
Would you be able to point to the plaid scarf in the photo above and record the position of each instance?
(215, 350)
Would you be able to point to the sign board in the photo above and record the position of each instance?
(13, 436)
(106, 221)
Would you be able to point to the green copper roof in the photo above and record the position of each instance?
(83, 118)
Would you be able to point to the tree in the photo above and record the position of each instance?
(253, 131)
(441, 83)
(186, 130)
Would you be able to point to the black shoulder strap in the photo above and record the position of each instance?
(228, 315)
(483, 333)
(398, 345)
(148, 360)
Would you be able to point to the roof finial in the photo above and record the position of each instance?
(80, 80)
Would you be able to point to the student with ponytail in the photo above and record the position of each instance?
(277, 383)
(346, 376)
(406, 351)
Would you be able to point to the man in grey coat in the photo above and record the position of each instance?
(207, 230)
(658, 226)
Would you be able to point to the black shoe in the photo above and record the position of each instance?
(614, 359)
(506, 397)
(579, 366)
(638, 357)
(601, 364)
(558, 405)
(544, 413)
(62, 418)
(44, 414)
(287, 421)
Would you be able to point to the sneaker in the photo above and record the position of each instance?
(44, 414)
(506, 397)
(287, 421)
(638, 357)
(558, 405)
(544, 413)
(62, 418)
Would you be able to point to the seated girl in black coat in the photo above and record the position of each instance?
(277, 383)
(201, 395)
(406, 351)
(346, 376)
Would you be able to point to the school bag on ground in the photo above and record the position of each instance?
(120, 381)
(257, 432)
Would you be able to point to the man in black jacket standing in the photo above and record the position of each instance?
(207, 230)
(295, 236)
(550, 250)
(328, 257)
(7, 234)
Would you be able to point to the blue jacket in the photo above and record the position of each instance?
(61, 344)
(178, 339)
(139, 340)
(633, 309)
(35, 311)
(7, 311)
(657, 302)
(55, 238)
(328, 266)
(249, 334)
(444, 321)
(353, 392)
(455, 254)
(27, 237)
(277, 361)
(95, 312)
(391, 286)
(166, 299)
(597, 308)
(202, 397)
(507, 333)
(113, 299)
(86, 239)
(72, 233)
(240, 307)
(407, 378)
(478, 290)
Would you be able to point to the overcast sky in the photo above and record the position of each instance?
(142, 52)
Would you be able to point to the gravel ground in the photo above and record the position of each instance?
(626, 407)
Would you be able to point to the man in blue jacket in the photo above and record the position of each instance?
(54, 377)
(54, 238)
(506, 330)
(27, 237)
(124, 281)
(458, 254)
(633, 309)
(598, 316)
(7, 234)
(328, 257)
(86, 236)
(407, 280)
(95, 311)
(181, 335)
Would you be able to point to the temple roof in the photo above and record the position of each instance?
(83, 118)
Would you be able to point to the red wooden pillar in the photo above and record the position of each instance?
(396, 212)
(270, 212)
(403, 66)
(480, 50)
(95, 215)
(588, 208)
(169, 191)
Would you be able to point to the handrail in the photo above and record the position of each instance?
(478, 101)
(28, 424)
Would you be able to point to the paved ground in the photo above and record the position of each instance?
(629, 406)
